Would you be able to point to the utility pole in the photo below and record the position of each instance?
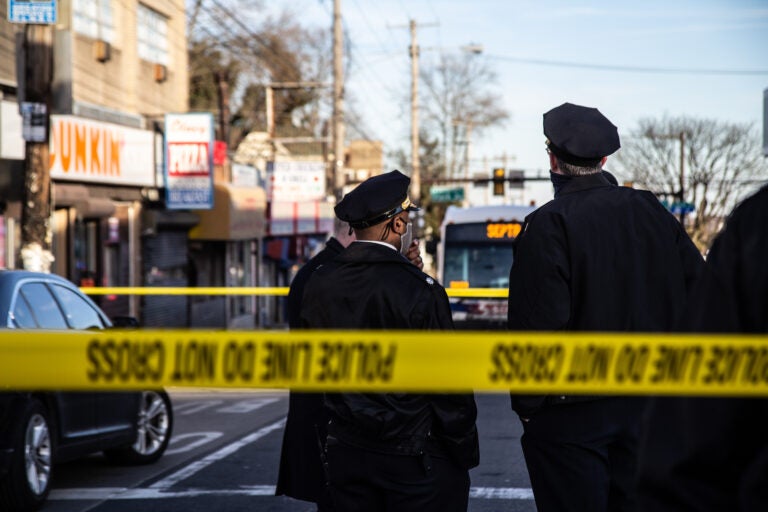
(222, 85)
(415, 166)
(37, 74)
(682, 178)
(337, 178)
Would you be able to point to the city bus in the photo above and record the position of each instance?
(475, 251)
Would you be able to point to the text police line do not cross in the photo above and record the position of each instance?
(388, 361)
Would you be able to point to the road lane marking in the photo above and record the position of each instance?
(216, 456)
(246, 406)
(119, 493)
(501, 493)
(202, 438)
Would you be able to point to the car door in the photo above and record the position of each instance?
(115, 411)
(34, 307)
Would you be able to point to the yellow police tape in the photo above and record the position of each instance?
(256, 290)
(387, 361)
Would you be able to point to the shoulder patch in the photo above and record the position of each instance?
(430, 281)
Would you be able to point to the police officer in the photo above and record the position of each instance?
(301, 474)
(711, 454)
(596, 258)
(394, 451)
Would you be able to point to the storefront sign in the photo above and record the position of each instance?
(11, 141)
(189, 161)
(296, 181)
(297, 218)
(95, 152)
(245, 176)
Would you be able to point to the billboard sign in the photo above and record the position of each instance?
(296, 181)
(189, 161)
(96, 152)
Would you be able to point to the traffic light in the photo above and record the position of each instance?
(498, 181)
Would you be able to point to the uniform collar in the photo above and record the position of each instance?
(579, 183)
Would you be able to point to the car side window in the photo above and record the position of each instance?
(44, 307)
(79, 312)
(22, 314)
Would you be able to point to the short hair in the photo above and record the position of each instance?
(577, 170)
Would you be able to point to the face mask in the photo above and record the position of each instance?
(559, 181)
(406, 239)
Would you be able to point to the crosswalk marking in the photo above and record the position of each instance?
(121, 493)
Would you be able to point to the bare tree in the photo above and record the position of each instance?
(459, 104)
(226, 40)
(721, 162)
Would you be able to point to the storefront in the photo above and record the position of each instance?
(101, 174)
(224, 251)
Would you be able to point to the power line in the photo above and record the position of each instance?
(630, 69)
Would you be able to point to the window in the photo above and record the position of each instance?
(44, 306)
(80, 314)
(22, 314)
(152, 28)
(93, 18)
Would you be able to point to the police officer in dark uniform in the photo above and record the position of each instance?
(711, 454)
(393, 451)
(596, 258)
(301, 474)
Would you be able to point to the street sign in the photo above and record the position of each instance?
(41, 12)
(678, 207)
(34, 122)
(446, 194)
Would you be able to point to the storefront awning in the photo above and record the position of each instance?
(79, 197)
(238, 213)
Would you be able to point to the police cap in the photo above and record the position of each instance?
(579, 135)
(375, 200)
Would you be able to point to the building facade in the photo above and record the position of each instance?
(119, 67)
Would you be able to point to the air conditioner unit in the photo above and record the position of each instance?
(102, 50)
(161, 73)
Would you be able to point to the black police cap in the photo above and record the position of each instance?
(375, 200)
(580, 135)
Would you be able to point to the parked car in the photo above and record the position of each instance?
(39, 429)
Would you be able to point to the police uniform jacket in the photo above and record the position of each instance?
(372, 286)
(301, 473)
(599, 258)
(711, 454)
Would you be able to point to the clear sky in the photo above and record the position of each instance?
(547, 52)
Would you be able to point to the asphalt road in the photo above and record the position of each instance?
(224, 456)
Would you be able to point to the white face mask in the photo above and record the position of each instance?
(406, 239)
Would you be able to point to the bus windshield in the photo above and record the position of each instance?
(478, 265)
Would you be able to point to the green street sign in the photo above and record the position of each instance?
(446, 194)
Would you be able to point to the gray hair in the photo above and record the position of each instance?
(576, 170)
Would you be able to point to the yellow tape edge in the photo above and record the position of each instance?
(376, 361)
(258, 290)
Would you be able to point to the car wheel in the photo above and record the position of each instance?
(28, 481)
(155, 423)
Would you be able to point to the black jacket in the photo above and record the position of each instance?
(711, 454)
(371, 286)
(600, 258)
(301, 473)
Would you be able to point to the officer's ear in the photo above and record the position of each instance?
(399, 225)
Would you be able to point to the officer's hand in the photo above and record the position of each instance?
(413, 255)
